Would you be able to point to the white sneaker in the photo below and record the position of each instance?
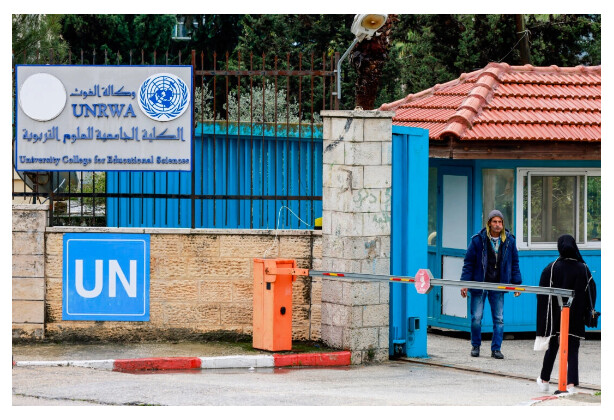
(543, 386)
(571, 390)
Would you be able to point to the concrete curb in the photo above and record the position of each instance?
(341, 358)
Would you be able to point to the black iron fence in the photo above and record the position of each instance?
(257, 147)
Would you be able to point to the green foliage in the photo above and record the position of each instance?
(426, 49)
(553, 204)
(91, 183)
(282, 34)
(293, 38)
(117, 33)
(203, 103)
(565, 40)
(594, 208)
(276, 105)
(432, 49)
(37, 39)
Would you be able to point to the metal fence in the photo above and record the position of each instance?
(257, 148)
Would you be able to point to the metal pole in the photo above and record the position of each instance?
(338, 84)
(564, 349)
(338, 71)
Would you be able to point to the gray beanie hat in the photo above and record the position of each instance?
(495, 213)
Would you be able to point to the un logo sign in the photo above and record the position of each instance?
(164, 97)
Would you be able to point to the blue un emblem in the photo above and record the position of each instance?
(164, 97)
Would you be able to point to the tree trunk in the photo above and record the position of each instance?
(368, 58)
(523, 38)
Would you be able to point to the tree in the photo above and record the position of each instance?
(208, 34)
(420, 50)
(37, 38)
(282, 34)
(275, 103)
(117, 34)
(431, 49)
(565, 40)
(295, 37)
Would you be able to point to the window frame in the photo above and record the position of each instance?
(521, 172)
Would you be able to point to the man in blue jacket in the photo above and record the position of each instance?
(491, 257)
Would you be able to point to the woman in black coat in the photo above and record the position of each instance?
(568, 271)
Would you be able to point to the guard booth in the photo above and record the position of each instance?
(525, 140)
(433, 222)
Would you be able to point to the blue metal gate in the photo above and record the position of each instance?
(408, 309)
(243, 174)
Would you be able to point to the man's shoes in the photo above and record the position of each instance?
(571, 389)
(475, 351)
(497, 354)
(541, 385)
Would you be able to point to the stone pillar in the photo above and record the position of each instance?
(29, 223)
(356, 208)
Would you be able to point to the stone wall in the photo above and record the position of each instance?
(356, 209)
(201, 285)
(28, 266)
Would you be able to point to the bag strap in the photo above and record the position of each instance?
(549, 309)
(588, 289)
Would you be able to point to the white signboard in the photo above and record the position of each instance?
(103, 118)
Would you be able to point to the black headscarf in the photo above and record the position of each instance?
(568, 248)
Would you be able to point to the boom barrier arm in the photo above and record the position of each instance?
(561, 293)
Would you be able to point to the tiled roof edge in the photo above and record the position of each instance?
(549, 69)
(392, 106)
(487, 81)
(497, 68)
(481, 94)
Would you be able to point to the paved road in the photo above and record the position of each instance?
(391, 383)
(416, 382)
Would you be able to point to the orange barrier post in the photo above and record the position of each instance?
(564, 346)
(272, 310)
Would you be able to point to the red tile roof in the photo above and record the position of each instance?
(503, 102)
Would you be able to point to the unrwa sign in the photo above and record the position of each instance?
(106, 277)
(103, 118)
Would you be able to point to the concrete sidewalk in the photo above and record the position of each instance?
(453, 350)
(445, 350)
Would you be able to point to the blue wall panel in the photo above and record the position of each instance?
(229, 161)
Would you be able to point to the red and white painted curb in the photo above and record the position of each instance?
(341, 358)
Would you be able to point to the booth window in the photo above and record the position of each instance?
(498, 193)
(432, 208)
(559, 201)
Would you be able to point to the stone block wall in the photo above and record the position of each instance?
(28, 267)
(201, 284)
(356, 209)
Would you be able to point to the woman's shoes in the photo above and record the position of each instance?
(543, 386)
